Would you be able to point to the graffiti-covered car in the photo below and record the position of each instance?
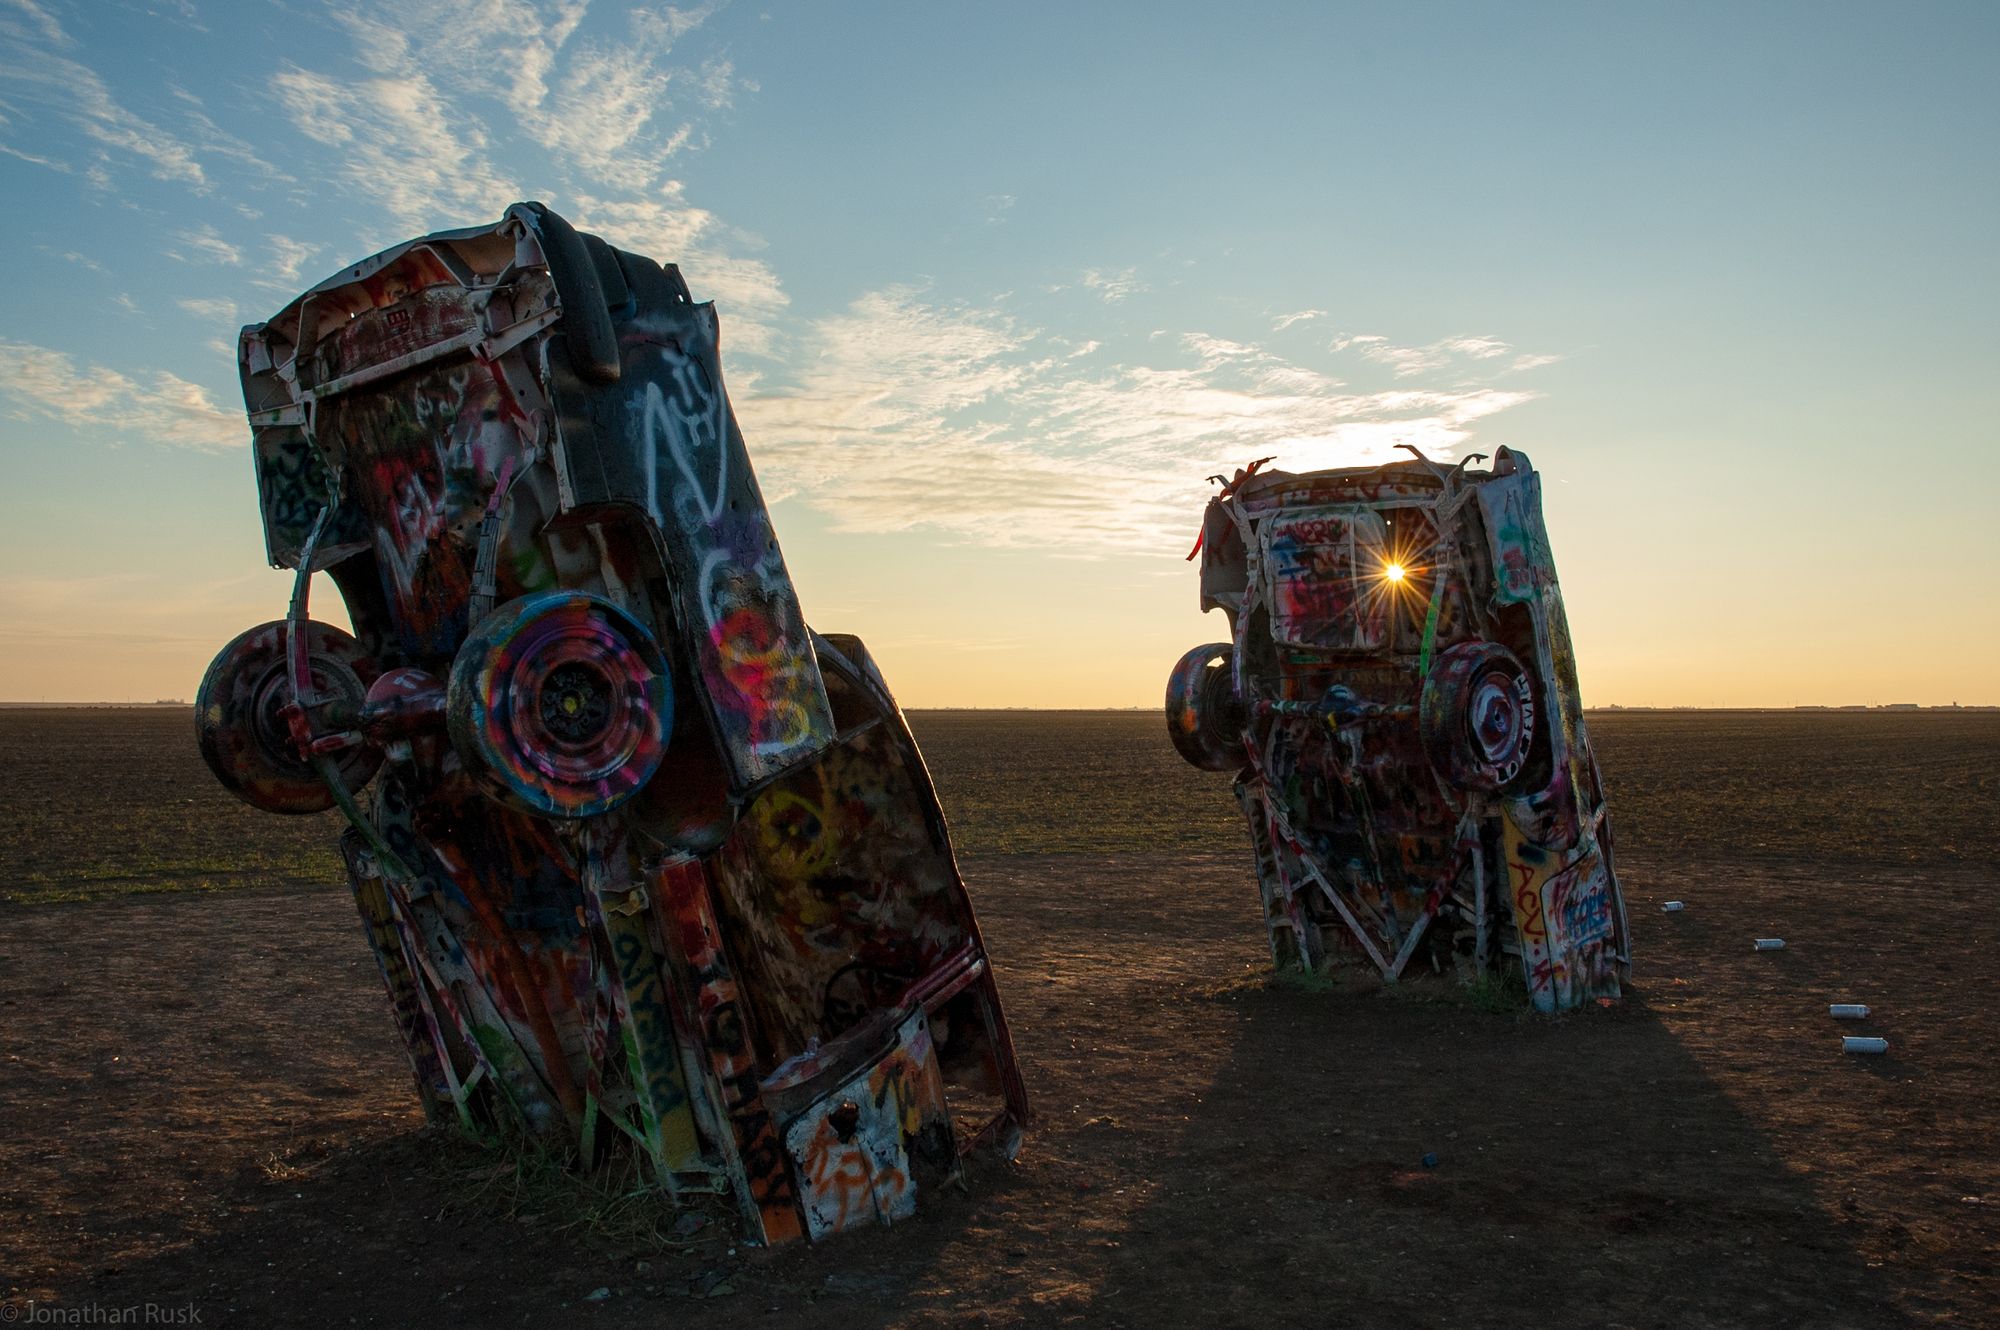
(1399, 703)
(647, 865)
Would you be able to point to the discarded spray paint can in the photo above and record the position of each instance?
(1770, 944)
(1848, 1011)
(1674, 907)
(1859, 1043)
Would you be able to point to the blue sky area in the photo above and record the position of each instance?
(1001, 285)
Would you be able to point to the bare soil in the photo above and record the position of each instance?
(203, 1104)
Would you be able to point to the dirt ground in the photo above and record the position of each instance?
(203, 1106)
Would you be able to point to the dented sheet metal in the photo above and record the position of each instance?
(1399, 704)
(648, 867)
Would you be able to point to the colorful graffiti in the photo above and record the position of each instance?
(757, 668)
(631, 889)
(862, 1149)
(1400, 706)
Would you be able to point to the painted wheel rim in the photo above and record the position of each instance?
(563, 703)
(1499, 715)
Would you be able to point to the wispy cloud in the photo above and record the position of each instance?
(213, 309)
(449, 87)
(287, 257)
(606, 98)
(402, 127)
(33, 160)
(28, 17)
(1449, 353)
(37, 383)
(72, 256)
(1113, 284)
(446, 80)
(37, 78)
(397, 137)
(185, 12)
(204, 244)
(211, 140)
(904, 409)
(911, 412)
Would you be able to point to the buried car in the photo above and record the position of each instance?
(647, 865)
(1399, 704)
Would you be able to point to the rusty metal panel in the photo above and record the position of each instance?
(1399, 700)
(764, 1187)
(859, 1148)
(635, 850)
(846, 899)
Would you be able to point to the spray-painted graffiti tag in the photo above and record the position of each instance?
(625, 884)
(1400, 699)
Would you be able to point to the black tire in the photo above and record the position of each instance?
(1204, 718)
(1478, 717)
(243, 735)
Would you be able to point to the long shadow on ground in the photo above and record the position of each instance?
(1209, 1150)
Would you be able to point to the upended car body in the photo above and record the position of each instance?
(647, 865)
(1399, 703)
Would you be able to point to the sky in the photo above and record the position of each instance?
(1002, 285)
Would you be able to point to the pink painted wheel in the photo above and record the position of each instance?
(561, 704)
(1477, 717)
(1203, 718)
(242, 731)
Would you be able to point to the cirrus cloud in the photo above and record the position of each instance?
(910, 412)
(37, 383)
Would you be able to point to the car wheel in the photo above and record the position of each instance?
(241, 728)
(1203, 716)
(561, 704)
(1477, 716)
